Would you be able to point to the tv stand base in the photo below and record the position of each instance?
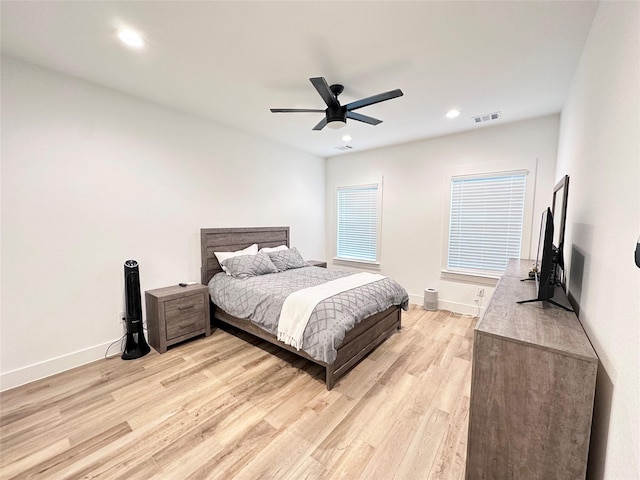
(546, 300)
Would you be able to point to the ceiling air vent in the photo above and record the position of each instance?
(486, 117)
(344, 147)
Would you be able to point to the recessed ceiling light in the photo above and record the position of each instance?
(453, 113)
(346, 138)
(131, 38)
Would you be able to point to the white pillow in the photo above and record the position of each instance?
(274, 249)
(222, 256)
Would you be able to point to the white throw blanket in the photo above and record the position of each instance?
(298, 306)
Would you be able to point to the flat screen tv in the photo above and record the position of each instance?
(559, 211)
(546, 263)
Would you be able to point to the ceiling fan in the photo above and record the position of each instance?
(335, 114)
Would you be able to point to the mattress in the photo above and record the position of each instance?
(259, 299)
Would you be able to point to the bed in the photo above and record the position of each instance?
(359, 341)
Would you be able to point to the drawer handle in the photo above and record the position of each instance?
(185, 307)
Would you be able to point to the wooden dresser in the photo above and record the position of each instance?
(532, 388)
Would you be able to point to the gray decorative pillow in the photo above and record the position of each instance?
(244, 266)
(287, 259)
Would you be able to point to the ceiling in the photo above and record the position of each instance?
(230, 61)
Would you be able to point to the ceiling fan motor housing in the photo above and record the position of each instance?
(336, 114)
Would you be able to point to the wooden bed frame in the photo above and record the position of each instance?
(364, 338)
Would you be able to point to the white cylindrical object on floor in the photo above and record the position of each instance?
(430, 299)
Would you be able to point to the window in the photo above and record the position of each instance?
(358, 223)
(486, 221)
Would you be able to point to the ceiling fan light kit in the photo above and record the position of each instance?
(335, 114)
(337, 124)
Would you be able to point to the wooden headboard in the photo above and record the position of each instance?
(232, 239)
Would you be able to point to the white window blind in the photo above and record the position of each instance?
(358, 219)
(486, 221)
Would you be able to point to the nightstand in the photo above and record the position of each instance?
(175, 314)
(317, 263)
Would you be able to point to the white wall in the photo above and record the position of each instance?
(416, 180)
(92, 177)
(599, 149)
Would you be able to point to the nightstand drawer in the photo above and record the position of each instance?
(184, 315)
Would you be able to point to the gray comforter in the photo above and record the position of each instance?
(260, 299)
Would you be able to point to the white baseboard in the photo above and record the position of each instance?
(37, 371)
(455, 307)
(461, 308)
(416, 299)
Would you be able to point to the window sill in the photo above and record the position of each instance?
(357, 263)
(482, 278)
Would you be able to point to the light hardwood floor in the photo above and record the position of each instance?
(231, 407)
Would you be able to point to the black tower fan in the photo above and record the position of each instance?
(136, 346)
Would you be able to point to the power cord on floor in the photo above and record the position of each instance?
(478, 302)
(121, 340)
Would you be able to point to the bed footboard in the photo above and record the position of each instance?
(357, 344)
(363, 339)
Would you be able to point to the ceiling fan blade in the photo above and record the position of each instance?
(321, 124)
(381, 97)
(363, 118)
(290, 110)
(323, 89)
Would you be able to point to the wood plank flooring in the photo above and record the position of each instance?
(232, 407)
